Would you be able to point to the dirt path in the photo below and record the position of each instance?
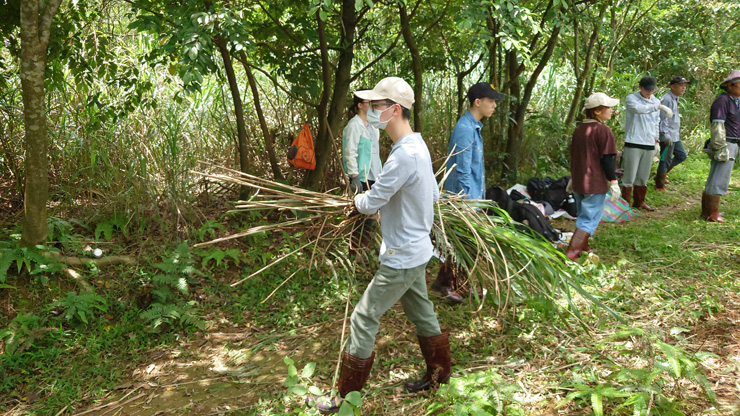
(224, 371)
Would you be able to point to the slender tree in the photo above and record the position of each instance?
(36, 19)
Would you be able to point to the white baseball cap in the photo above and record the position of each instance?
(391, 88)
(599, 99)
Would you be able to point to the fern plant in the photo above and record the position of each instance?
(79, 307)
(171, 291)
(30, 259)
(22, 332)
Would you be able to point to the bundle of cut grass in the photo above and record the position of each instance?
(510, 265)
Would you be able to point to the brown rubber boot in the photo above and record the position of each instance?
(666, 175)
(446, 280)
(436, 352)
(578, 244)
(660, 182)
(352, 377)
(627, 194)
(704, 206)
(713, 208)
(639, 201)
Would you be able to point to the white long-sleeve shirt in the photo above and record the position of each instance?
(405, 193)
(641, 119)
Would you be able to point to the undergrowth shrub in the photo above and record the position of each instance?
(171, 291)
(634, 389)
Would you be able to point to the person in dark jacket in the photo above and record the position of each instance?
(723, 145)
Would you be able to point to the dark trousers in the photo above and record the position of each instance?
(671, 154)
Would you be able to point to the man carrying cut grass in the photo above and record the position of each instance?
(404, 193)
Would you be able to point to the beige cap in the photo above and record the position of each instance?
(391, 88)
(599, 99)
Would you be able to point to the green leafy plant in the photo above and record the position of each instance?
(300, 386)
(80, 307)
(30, 259)
(171, 289)
(208, 230)
(481, 393)
(642, 388)
(106, 227)
(22, 332)
(220, 257)
(60, 230)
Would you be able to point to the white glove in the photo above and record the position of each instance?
(657, 147)
(667, 111)
(569, 187)
(616, 192)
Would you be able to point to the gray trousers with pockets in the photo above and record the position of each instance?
(388, 287)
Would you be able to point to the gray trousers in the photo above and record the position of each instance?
(719, 173)
(387, 287)
(636, 163)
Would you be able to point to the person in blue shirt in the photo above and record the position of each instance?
(467, 173)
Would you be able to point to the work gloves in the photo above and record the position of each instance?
(355, 184)
(667, 111)
(614, 189)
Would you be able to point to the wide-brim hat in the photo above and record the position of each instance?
(391, 88)
(732, 78)
(599, 99)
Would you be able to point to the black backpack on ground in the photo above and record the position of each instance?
(549, 190)
(528, 216)
(532, 217)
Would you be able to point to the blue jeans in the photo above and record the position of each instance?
(671, 154)
(590, 207)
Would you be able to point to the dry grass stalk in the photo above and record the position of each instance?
(511, 265)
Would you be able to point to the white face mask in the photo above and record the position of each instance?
(373, 118)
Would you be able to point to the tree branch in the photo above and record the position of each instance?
(47, 15)
(281, 27)
(275, 81)
(378, 58)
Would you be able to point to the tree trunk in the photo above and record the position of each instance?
(582, 75)
(238, 110)
(416, 67)
(511, 152)
(35, 28)
(268, 135)
(330, 122)
(511, 162)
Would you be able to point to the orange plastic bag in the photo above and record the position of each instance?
(301, 153)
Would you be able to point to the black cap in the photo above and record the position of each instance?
(678, 80)
(484, 90)
(649, 83)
